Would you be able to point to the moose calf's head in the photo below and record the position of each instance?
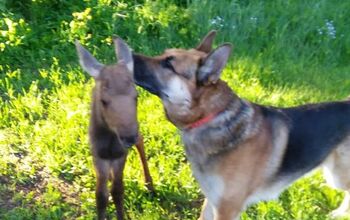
(115, 96)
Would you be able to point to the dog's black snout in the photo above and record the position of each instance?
(144, 76)
(129, 140)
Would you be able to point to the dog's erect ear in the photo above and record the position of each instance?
(206, 44)
(87, 61)
(123, 53)
(210, 70)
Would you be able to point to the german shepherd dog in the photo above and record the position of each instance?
(241, 152)
(113, 124)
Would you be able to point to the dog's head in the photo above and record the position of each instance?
(183, 78)
(115, 95)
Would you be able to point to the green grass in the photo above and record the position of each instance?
(285, 53)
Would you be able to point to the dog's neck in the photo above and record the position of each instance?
(202, 121)
(235, 122)
(208, 101)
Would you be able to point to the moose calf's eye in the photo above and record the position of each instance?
(104, 103)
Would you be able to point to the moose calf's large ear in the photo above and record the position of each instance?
(124, 53)
(210, 70)
(207, 42)
(87, 61)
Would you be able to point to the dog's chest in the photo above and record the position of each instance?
(191, 145)
(196, 149)
(211, 184)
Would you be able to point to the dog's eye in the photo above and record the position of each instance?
(168, 60)
(166, 63)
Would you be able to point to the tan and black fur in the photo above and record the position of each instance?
(247, 152)
(113, 124)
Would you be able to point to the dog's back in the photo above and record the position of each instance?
(314, 132)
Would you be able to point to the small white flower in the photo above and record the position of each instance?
(254, 19)
(217, 21)
(320, 32)
(331, 29)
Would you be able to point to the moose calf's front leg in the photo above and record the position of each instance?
(101, 193)
(117, 190)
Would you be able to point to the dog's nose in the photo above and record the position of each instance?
(129, 140)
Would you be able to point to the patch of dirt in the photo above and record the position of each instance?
(5, 194)
(10, 186)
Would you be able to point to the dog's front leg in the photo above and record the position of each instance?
(226, 211)
(207, 211)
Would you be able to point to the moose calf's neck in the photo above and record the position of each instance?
(104, 141)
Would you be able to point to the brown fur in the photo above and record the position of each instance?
(217, 97)
(249, 176)
(243, 154)
(113, 126)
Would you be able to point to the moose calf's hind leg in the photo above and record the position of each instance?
(141, 150)
(117, 190)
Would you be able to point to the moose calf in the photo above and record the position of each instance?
(113, 124)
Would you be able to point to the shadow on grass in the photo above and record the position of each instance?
(164, 202)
